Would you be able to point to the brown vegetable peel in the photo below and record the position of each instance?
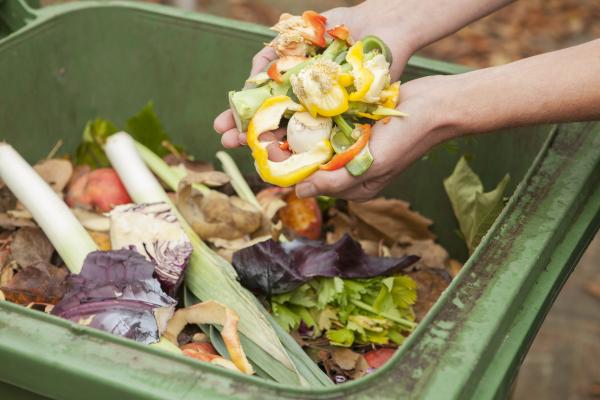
(214, 313)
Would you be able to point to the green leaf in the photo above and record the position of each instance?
(145, 127)
(285, 317)
(404, 291)
(474, 209)
(327, 292)
(90, 152)
(341, 337)
(325, 317)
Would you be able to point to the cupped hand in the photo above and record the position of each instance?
(394, 145)
(367, 18)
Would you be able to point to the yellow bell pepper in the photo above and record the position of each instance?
(295, 168)
(363, 78)
(319, 87)
(389, 96)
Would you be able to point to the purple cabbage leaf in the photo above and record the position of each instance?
(117, 293)
(271, 267)
(153, 231)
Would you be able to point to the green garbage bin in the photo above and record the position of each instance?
(62, 65)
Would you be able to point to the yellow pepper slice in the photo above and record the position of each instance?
(389, 96)
(363, 78)
(295, 168)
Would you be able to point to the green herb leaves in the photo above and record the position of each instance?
(474, 209)
(350, 311)
(144, 127)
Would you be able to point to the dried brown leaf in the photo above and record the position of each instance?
(30, 246)
(208, 178)
(432, 254)
(56, 172)
(389, 218)
(7, 200)
(37, 283)
(346, 359)
(431, 282)
(215, 215)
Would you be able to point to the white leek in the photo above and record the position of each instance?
(67, 235)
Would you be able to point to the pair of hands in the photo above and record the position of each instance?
(394, 145)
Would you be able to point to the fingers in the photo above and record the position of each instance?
(326, 183)
(224, 122)
(230, 138)
(262, 59)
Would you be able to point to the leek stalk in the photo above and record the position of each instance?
(208, 276)
(65, 232)
(237, 180)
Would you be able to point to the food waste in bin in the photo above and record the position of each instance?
(132, 235)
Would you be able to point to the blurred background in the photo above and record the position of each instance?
(564, 360)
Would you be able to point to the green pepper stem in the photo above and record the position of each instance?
(344, 126)
(335, 48)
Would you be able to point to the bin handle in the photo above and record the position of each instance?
(16, 14)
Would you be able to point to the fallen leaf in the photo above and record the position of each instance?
(10, 223)
(7, 200)
(30, 246)
(37, 283)
(272, 200)
(346, 359)
(338, 225)
(208, 178)
(361, 369)
(432, 254)
(216, 215)
(56, 172)
(431, 282)
(225, 248)
(474, 209)
(389, 218)
(20, 214)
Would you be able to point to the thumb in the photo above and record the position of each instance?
(262, 59)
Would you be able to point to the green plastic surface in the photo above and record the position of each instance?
(63, 65)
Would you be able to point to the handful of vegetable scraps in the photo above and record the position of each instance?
(327, 89)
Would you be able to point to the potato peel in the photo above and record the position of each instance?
(214, 313)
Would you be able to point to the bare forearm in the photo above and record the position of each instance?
(560, 86)
(421, 22)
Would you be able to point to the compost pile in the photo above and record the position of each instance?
(348, 280)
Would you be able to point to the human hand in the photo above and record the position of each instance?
(373, 17)
(394, 145)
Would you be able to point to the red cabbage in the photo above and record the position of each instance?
(271, 267)
(117, 293)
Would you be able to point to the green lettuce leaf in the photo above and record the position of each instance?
(365, 311)
(474, 209)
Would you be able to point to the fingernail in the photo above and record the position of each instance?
(306, 190)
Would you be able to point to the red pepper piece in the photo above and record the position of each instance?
(340, 32)
(274, 73)
(341, 159)
(317, 22)
(284, 145)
